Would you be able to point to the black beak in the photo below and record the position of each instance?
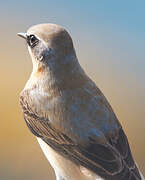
(23, 35)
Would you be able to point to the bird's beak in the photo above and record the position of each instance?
(23, 35)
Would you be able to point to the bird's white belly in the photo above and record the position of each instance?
(65, 168)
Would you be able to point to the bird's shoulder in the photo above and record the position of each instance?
(81, 111)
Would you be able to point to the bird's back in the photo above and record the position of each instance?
(83, 120)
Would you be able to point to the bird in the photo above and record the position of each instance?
(72, 120)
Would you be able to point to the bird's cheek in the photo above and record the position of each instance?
(41, 52)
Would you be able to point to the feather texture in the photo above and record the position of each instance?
(81, 126)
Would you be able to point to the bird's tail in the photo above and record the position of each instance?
(142, 177)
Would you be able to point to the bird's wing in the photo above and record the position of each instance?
(106, 154)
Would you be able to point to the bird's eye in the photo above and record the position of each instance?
(32, 40)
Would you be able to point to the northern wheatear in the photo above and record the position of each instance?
(72, 120)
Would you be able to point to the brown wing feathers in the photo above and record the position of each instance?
(113, 162)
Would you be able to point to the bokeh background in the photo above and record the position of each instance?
(109, 38)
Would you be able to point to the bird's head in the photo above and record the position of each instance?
(49, 45)
(51, 49)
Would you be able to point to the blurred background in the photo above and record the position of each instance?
(109, 38)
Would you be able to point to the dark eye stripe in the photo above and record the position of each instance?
(32, 40)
